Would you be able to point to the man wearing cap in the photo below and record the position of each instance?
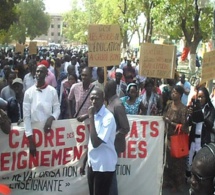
(40, 104)
(14, 107)
(120, 84)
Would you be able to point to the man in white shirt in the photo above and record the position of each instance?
(40, 104)
(102, 156)
(29, 79)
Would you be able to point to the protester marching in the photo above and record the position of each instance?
(91, 122)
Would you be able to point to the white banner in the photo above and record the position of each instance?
(55, 169)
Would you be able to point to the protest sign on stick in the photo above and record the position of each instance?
(104, 45)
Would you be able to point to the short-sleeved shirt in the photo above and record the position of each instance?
(187, 86)
(133, 108)
(104, 157)
(79, 93)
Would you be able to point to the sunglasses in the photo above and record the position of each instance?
(200, 178)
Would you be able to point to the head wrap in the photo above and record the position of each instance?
(118, 70)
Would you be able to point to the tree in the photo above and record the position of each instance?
(33, 21)
(125, 13)
(184, 18)
(8, 14)
(75, 23)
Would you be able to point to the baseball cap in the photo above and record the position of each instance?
(17, 80)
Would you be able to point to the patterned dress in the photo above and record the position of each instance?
(174, 172)
(131, 108)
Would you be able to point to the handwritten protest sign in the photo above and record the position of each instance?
(104, 45)
(19, 48)
(157, 61)
(55, 169)
(208, 66)
(32, 48)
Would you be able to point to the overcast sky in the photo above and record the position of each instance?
(57, 6)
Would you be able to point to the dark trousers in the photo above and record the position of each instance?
(114, 188)
(99, 182)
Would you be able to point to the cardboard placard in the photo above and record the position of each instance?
(157, 61)
(208, 66)
(19, 48)
(104, 45)
(32, 48)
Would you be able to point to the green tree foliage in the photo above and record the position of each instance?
(8, 14)
(33, 21)
(75, 23)
(184, 18)
(125, 13)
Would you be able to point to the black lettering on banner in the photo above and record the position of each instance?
(123, 169)
(39, 185)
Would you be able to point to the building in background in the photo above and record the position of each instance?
(54, 34)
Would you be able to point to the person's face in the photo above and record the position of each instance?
(85, 76)
(17, 87)
(132, 92)
(7, 70)
(149, 88)
(118, 77)
(71, 79)
(201, 182)
(201, 98)
(96, 100)
(128, 62)
(175, 95)
(182, 79)
(101, 74)
(73, 61)
(32, 68)
(41, 73)
(71, 69)
(11, 77)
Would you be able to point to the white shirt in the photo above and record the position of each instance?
(104, 157)
(38, 106)
(28, 81)
(187, 87)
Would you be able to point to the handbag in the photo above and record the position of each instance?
(179, 143)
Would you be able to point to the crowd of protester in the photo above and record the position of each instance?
(74, 86)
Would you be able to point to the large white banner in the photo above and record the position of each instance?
(55, 169)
